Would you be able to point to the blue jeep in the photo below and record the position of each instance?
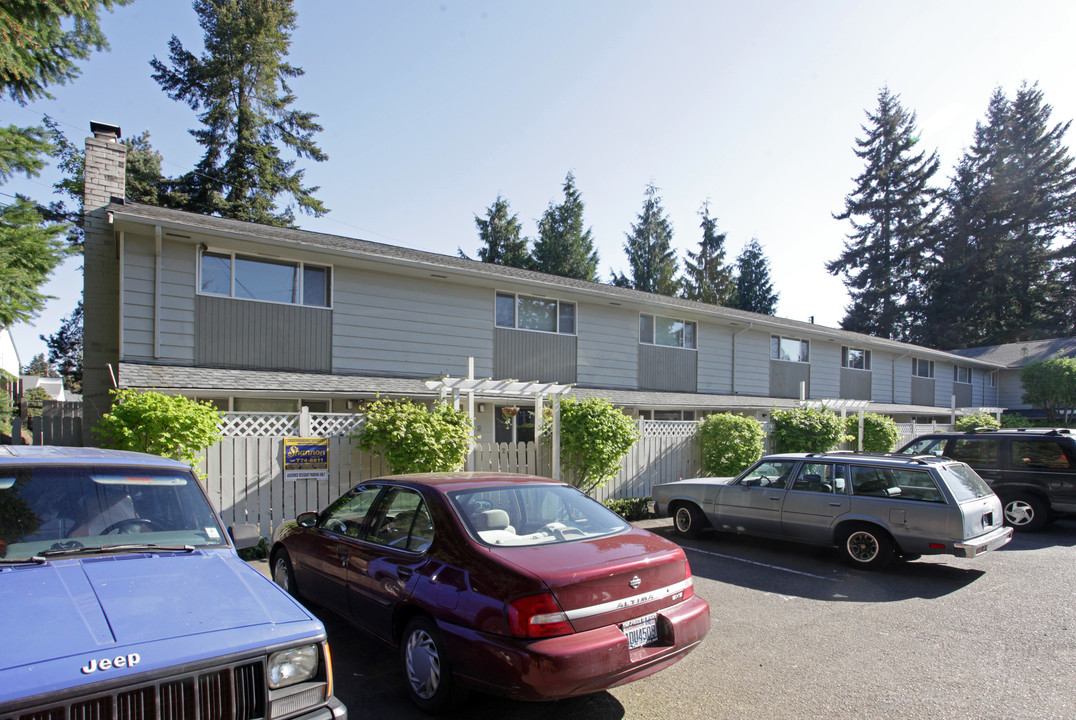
(122, 597)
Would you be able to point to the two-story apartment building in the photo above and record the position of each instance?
(263, 318)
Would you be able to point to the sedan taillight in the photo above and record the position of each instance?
(537, 616)
(689, 591)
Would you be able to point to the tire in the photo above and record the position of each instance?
(1026, 513)
(866, 547)
(427, 671)
(283, 575)
(688, 520)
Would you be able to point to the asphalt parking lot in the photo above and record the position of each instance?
(798, 635)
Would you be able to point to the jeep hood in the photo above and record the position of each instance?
(168, 608)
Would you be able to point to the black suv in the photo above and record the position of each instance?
(1033, 471)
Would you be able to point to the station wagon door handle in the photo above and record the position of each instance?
(835, 504)
(776, 497)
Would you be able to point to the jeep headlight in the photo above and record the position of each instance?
(294, 665)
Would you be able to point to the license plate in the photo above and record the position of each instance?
(641, 631)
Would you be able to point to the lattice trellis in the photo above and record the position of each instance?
(669, 428)
(236, 424)
(334, 424)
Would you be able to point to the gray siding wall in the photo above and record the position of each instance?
(922, 390)
(396, 325)
(606, 345)
(753, 364)
(669, 369)
(825, 371)
(882, 380)
(177, 300)
(943, 384)
(1010, 390)
(856, 384)
(247, 334)
(538, 356)
(715, 359)
(785, 378)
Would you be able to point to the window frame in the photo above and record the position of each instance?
(802, 357)
(689, 333)
(846, 350)
(957, 373)
(916, 362)
(558, 313)
(300, 270)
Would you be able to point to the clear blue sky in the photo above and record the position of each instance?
(430, 109)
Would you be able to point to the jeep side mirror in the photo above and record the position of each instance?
(244, 536)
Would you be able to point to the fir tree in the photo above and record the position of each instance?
(563, 248)
(40, 367)
(240, 85)
(30, 249)
(649, 248)
(892, 211)
(65, 350)
(501, 235)
(707, 278)
(754, 288)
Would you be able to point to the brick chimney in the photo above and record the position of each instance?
(105, 181)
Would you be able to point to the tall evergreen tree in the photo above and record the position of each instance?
(754, 287)
(1002, 268)
(892, 211)
(65, 349)
(651, 258)
(563, 247)
(707, 277)
(501, 235)
(240, 85)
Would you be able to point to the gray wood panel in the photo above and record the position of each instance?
(244, 334)
(964, 395)
(537, 356)
(855, 384)
(923, 391)
(785, 378)
(668, 369)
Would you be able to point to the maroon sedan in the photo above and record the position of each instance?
(515, 585)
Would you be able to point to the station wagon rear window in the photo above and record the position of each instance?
(964, 483)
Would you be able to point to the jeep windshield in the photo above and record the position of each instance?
(51, 512)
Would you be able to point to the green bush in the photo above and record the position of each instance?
(729, 443)
(257, 552)
(977, 420)
(806, 430)
(168, 425)
(880, 432)
(1015, 420)
(629, 508)
(594, 437)
(414, 438)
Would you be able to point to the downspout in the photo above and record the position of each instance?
(734, 335)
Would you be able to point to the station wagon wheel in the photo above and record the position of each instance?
(688, 521)
(429, 676)
(866, 547)
(283, 574)
(1027, 513)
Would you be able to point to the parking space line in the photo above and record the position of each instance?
(761, 564)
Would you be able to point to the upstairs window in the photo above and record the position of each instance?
(531, 313)
(855, 358)
(789, 349)
(922, 368)
(668, 332)
(270, 280)
(962, 375)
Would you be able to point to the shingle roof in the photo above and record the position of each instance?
(364, 249)
(1018, 354)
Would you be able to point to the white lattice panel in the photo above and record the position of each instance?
(259, 424)
(331, 425)
(670, 428)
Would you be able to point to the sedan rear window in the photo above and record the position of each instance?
(964, 483)
(530, 515)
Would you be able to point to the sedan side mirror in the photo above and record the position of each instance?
(307, 519)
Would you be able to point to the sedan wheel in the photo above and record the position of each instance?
(429, 677)
(283, 575)
(688, 521)
(866, 547)
(1026, 512)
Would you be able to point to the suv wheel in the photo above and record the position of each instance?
(866, 547)
(1026, 513)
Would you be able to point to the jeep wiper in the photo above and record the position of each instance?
(102, 549)
(36, 560)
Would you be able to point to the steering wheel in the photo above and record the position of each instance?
(122, 526)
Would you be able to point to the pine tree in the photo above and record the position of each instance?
(240, 84)
(40, 367)
(707, 278)
(501, 234)
(563, 248)
(892, 211)
(754, 288)
(30, 249)
(649, 248)
(65, 350)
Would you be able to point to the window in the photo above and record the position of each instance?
(667, 332)
(531, 313)
(789, 349)
(401, 520)
(346, 515)
(768, 473)
(855, 358)
(922, 368)
(962, 374)
(268, 280)
(1038, 454)
(977, 452)
(820, 478)
(992, 379)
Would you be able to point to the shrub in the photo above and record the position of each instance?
(594, 437)
(729, 443)
(168, 425)
(629, 508)
(977, 420)
(1051, 385)
(414, 438)
(1014, 420)
(806, 430)
(880, 432)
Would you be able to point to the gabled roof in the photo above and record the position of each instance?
(1018, 354)
(186, 222)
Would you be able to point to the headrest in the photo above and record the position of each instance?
(492, 520)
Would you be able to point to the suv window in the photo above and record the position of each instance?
(975, 451)
(1036, 453)
(926, 446)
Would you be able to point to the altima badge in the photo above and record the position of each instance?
(635, 582)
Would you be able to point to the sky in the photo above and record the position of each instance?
(430, 110)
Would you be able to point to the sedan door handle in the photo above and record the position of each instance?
(404, 573)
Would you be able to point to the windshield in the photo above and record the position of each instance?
(534, 515)
(964, 482)
(48, 511)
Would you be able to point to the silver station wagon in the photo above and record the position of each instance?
(872, 508)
